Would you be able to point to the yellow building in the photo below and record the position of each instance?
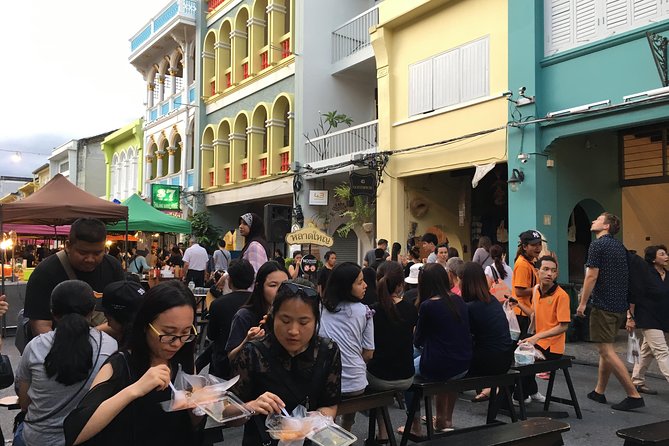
(442, 78)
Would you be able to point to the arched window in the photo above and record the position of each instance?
(113, 188)
(178, 149)
(132, 171)
(209, 66)
(225, 54)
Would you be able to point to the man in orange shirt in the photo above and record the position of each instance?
(550, 306)
(525, 275)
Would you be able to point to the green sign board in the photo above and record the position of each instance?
(165, 197)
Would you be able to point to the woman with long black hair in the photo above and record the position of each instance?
(123, 406)
(248, 322)
(58, 367)
(252, 228)
(348, 322)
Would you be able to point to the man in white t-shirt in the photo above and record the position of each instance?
(195, 263)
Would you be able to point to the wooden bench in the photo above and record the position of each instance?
(372, 402)
(534, 432)
(655, 433)
(424, 390)
(552, 367)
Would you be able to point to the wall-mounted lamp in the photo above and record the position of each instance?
(517, 177)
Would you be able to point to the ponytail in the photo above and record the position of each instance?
(71, 356)
(496, 252)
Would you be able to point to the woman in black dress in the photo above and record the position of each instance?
(122, 406)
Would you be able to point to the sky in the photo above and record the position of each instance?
(65, 74)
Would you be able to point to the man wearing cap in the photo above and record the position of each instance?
(195, 263)
(606, 287)
(525, 275)
(83, 258)
(120, 302)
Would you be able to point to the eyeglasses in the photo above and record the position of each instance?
(299, 289)
(171, 339)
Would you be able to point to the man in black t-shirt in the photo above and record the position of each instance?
(85, 252)
(324, 273)
(223, 309)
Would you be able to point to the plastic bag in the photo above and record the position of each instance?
(633, 349)
(525, 354)
(321, 430)
(514, 327)
(190, 391)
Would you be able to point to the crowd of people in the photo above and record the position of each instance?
(97, 367)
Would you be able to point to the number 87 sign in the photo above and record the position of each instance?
(165, 196)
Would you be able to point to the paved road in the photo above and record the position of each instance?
(597, 427)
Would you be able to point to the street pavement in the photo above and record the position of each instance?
(598, 426)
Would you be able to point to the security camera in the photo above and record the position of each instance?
(523, 157)
(507, 93)
(521, 91)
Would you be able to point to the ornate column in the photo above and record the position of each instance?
(149, 91)
(170, 160)
(173, 77)
(159, 163)
(161, 86)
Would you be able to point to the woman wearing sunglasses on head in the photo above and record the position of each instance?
(291, 366)
(122, 406)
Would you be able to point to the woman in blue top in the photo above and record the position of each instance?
(442, 331)
(493, 347)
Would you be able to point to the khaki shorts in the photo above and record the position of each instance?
(604, 325)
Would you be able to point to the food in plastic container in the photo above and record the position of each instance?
(332, 435)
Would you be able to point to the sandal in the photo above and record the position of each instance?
(481, 397)
(423, 419)
(400, 431)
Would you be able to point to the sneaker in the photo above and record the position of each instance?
(599, 397)
(537, 397)
(528, 400)
(629, 403)
(642, 388)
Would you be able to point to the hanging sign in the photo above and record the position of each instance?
(318, 198)
(363, 184)
(310, 235)
(309, 264)
(165, 196)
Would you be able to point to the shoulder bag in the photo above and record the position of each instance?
(499, 288)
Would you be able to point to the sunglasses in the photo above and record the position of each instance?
(298, 289)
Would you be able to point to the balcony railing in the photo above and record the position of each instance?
(353, 35)
(213, 4)
(170, 104)
(356, 139)
(184, 8)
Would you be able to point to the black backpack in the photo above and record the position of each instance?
(637, 269)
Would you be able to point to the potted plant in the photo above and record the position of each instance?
(358, 211)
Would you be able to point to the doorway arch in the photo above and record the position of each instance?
(577, 250)
(346, 247)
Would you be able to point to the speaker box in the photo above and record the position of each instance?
(278, 219)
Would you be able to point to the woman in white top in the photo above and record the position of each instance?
(348, 322)
(501, 269)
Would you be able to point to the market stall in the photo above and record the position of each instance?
(57, 203)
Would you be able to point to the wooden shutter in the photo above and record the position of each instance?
(447, 75)
(474, 70)
(420, 87)
(644, 10)
(616, 15)
(585, 20)
(558, 25)
(642, 155)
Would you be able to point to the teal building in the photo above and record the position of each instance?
(589, 132)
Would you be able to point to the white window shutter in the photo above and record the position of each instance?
(420, 87)
(446, 71)
(617, 15)
(585, 20)
(474, 63)
(558, 25)
(644, 10)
